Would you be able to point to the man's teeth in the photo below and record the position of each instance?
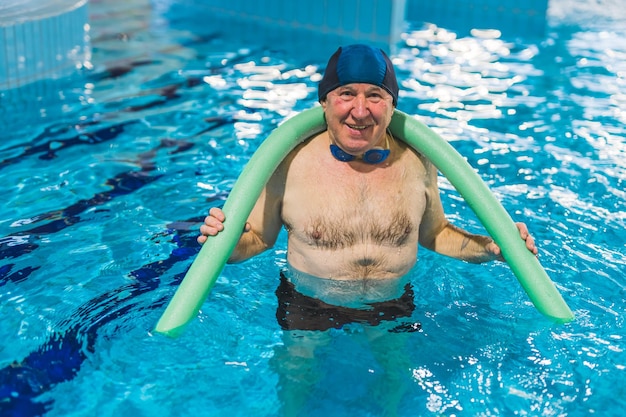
(357, 127)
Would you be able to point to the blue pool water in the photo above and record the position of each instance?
(104, 188)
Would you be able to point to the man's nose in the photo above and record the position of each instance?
(360, 109)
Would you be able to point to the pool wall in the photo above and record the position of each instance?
(41, 39)
(50, 38)
(512, 18)
(318, 27)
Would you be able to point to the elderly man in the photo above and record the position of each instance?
(354, 200)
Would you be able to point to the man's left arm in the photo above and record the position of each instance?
(439, 235)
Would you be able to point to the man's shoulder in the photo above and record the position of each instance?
(311, 144)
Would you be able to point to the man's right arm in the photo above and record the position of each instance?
(259, 233)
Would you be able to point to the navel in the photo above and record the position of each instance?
(364, 262)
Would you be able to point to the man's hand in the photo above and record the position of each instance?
(213, 224)
(524, 234)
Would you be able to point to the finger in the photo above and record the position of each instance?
(494, 248)
(523, 230)
(201, 239)
(217, 213)
(528, 238)
(530, 244)
(213, 224)
(211, 230)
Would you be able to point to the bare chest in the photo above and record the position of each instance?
(343, 210)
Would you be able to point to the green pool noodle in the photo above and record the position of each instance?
(210, 261)
(496, 220)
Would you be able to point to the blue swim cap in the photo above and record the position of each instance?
(359, 64)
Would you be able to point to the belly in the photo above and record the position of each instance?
(359, 261)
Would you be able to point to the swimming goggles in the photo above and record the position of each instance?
(373, 156)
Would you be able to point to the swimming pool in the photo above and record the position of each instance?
(104, 195)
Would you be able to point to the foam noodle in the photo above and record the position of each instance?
(209, 263)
